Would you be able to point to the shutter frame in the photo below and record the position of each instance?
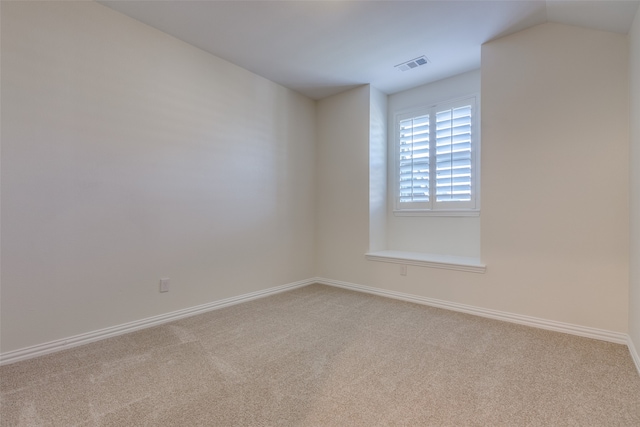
(455, 152)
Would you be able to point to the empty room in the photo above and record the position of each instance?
(320, 213)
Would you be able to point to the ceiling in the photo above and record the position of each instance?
(320, 48)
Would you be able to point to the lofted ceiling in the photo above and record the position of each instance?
(320, 48)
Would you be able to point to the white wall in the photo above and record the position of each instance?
(554, 220)
(378, 170)
(128, 156)
(439, 235)
(555, 172)
(634, 294)
(342, 163)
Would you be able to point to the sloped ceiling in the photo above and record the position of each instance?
(320, 48)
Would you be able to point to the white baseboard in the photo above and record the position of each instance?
(86, 338)
(568, 328)
(634, 353)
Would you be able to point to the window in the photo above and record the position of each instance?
(436, 159)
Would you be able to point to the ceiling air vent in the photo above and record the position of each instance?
(414, 63)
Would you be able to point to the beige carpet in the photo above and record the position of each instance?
(321, 356)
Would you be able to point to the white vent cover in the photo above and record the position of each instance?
(414, 63)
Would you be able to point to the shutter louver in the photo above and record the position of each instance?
(453, 154)
(414, 160)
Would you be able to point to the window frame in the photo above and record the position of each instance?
(434, 208)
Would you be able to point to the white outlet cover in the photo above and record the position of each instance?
(164, 285)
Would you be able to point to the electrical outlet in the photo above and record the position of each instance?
(403, 270)
(164, 285)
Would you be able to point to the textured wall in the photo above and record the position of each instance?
(128, 156)
(343, 183)
(555, 187)
(634, 294)
(555, 173)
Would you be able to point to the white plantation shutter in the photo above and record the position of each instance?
(414, 159)
(453, 154)
(436, 158)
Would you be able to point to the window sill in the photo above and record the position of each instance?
(447, 262)
(416, 212)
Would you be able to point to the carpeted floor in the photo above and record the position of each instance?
(322, 356)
